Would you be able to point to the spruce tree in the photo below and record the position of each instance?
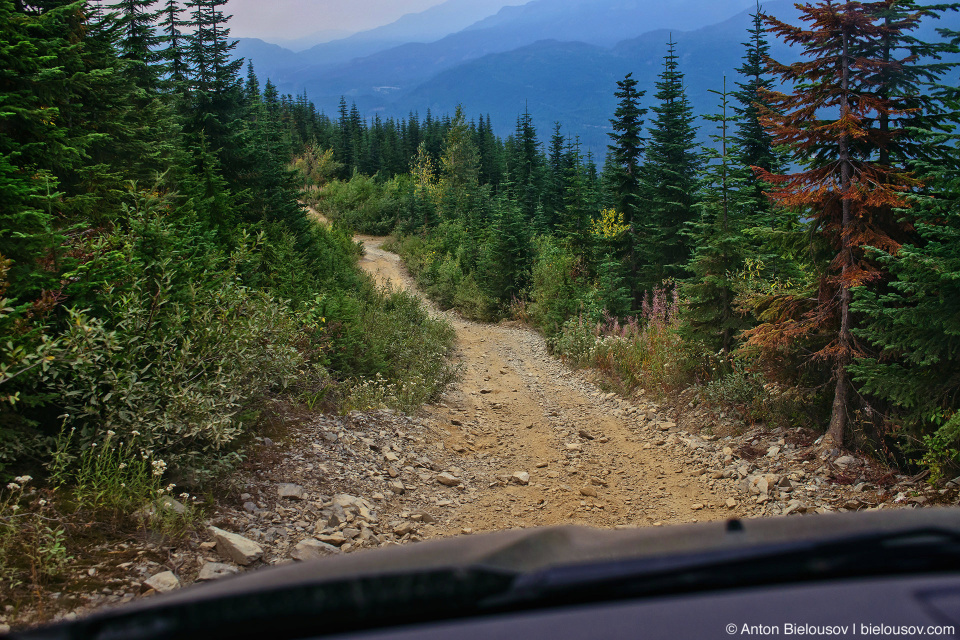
(558, 162)
(754, 141)
(174, 52)
(525, 167)
(139, 40)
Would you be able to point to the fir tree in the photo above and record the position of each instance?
(624, 167)
(139, 40)
(754, 141)
(174, 52)
(525, 167)
(719, 246)
(846, 192)
(670, 175)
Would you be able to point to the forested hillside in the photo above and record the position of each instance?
(800, 269)
(166, 299)
(164, 294)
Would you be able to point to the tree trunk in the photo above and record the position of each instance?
(838, 417)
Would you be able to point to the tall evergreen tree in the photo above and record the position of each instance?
(209, 48)
(844, 189)
(754, 141)
(139, 40)
(174, 53)
(624, 166)
(670, 175)
(525, 167)
(719, 245)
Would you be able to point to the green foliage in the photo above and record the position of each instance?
(942, 449)
(363, 204)
(643, 352)
(757, 400)
(720, 246)
(32, 542)
(670, 173)
(177, 366)
(556, 287)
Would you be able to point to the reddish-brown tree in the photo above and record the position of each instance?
(837, 122)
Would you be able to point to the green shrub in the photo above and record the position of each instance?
(942, 449)
(640, 352)
(363, 204)
(556, 291)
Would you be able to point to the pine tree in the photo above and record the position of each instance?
(579, 205)
(503, 265)
(209, 48)
(460, 170)
(28, 131)
(525, 167)
(174, 54)
(559, 163)
(670, 175)
(139, 40)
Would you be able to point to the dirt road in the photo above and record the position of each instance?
(559, 450)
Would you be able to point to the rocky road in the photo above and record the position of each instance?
(541, 445)
(521, 441)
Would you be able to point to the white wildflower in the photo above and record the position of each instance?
(159, 466)
(184, 496)
(134, 433)
(42, 502)
(23, 479)
(13, 486)
(123, 465)
(111, 433)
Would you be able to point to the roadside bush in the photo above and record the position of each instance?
(942, 449)
(639, 352)
(757, 400)
(363, 204)
(556, 290)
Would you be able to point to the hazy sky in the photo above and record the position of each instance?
(291, 19)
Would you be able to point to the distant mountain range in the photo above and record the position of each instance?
(558, 58)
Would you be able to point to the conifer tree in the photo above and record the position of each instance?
(719, 246)
(559, 163)
(174, 52)
(832, 122)
(460, 173)
(139, 40)
(754, 141)
(525, 167)
(670, 176)
(624, 165)
(209, 48)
